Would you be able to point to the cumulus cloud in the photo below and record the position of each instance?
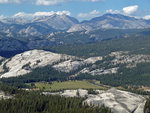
(10, 1)
(63, 12)
(92, 0)
(44, 2)
(37, 14)
(113, 11)
(89, 14)
(130, 9)
(49, 2)
(54, 2)
(147, 17)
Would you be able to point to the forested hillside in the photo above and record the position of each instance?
(97, 42)
(135, 45)
(34, 102)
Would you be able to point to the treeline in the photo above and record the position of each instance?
(133, 44)
(46, 73)
(137, 76)
(33, 102)
(8, 54)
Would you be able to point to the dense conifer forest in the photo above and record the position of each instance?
(34, 102)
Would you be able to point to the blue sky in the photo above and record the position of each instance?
(81, 9)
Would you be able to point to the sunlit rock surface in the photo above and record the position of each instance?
(25, 62)
(119, 101)
(3, 96)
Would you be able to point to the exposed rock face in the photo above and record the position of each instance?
(93, 59)
(70, 65)
(70, 93)
(103, 72)
(25, 62)
(1, 58)
(131, 60)
(119, 101)
(3, 96)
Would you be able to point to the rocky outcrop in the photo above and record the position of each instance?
(1, 58)
(71, 65)
(130, 60)
(25, 62)
(69, 93)
(3, 96)
(119, 101)
(103, 71)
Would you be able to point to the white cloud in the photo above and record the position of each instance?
(2, 17)
(89, 14)
(44, 2)
(130, 9)
(54, 2)
(3, 1)
(43, 13)
(37, 14)
(51, 13)
(113, 12)
(63, 12)
(48, 2)
(10, 1)
(147, 17)
(91, 0)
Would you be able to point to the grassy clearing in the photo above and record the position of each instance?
(67, 85)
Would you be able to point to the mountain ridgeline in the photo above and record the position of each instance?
(19, 34)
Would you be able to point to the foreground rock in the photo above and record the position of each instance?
(119, 101)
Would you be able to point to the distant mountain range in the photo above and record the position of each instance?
(111, 21)
(37, 26)
(22, 34)
(48, 24)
